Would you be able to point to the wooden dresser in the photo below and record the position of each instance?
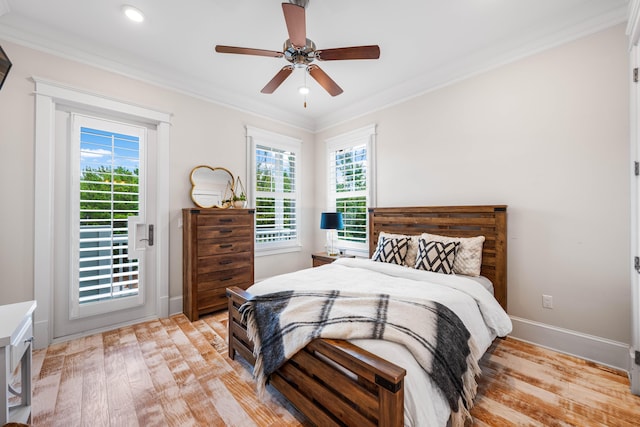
(217, 252)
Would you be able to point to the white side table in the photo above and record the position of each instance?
(16, 335)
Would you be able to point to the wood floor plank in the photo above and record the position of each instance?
(70, 390)
(95, 406)
(172, 372)
(119, 397)
(148, 410)
(197, 398)
(152, 337)
(46, 383)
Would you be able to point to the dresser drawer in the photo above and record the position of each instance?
(231, 219)
(21, 343)
(223, 262)
(241, 277)
(212, 300)
(224, 233)
(217, 247)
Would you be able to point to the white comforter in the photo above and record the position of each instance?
(475, 306)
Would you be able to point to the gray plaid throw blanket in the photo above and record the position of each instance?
(282, 323)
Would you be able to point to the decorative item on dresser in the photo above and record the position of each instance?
(211, 187)
(217, 252)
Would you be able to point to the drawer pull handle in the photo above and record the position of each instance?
(226, 279)
(226, 261)
(228, 245)
(226, 231)
(226, 219)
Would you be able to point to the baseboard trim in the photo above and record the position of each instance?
(596, 349)
(40, 334)
(175, 305)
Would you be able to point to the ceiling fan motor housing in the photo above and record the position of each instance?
(300, 57)
(301, 3)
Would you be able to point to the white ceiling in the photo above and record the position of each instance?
(423, 44)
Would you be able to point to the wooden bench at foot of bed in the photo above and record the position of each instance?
(332, 382)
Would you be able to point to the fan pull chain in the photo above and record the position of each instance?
(305, 85)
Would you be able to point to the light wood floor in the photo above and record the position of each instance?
(172, 372)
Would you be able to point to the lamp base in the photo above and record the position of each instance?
(331, 248)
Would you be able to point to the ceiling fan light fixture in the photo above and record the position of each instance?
(133, 13)
(303, 90)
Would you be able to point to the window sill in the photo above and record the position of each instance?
(259, 252)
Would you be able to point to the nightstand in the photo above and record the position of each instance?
(321, 258)
(16, 335)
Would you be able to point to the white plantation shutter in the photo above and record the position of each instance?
(108, 160)
(350, 188)
(274, 184)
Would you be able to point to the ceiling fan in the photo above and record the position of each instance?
(301, 52)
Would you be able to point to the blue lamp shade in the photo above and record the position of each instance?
(331, 221)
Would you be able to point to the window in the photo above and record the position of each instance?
(108, 192)
(108, 182)
(351, 185)
(274, 190)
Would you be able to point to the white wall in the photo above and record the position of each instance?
(201, 133)
(547, 136)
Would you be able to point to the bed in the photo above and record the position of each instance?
(340, 382)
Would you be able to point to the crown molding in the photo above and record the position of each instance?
(468, 67)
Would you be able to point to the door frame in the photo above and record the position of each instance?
(50, 95)
(633, 32)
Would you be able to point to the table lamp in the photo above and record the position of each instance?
(331, 221)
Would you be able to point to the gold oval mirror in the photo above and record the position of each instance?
(211, 187)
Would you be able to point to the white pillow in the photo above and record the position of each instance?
(412, 251)
(468, 259)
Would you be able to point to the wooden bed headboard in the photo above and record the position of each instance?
(456, 221)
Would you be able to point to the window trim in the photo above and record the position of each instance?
(256, 136)
(350, 139)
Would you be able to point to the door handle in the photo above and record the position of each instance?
(135, 228)
(149, 238)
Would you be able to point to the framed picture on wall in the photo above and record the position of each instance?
(5, 66)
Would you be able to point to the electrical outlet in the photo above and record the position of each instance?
(547, 301)
(180, 222)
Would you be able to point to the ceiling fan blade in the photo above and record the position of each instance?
(277, 80)
(295, 18)
(324, 80)
(248, 51)
(356, 52)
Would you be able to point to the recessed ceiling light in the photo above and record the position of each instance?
(133, 13)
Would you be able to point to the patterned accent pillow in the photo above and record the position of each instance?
(436, 256)
(412, 251)
(469, 255)
(391, 250)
